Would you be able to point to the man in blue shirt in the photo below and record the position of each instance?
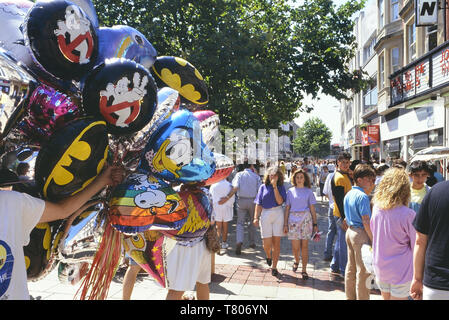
(358, 213)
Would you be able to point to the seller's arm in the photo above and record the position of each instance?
(64, 208)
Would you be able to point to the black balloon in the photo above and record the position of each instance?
(62, 38)
(182, 76)
(72, 158)
(123, 93)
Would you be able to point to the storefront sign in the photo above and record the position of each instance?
(426, 12)
(370, 134)
(354, 136)
(423, 76)
(393, 145)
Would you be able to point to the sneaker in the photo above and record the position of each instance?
(224, 245)
(238, 249)
(274, 272)
(269, 262)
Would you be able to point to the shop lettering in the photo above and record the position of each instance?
(408, 83)
(444, 62)
(419, 70)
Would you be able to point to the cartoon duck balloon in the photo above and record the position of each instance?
(176, 151)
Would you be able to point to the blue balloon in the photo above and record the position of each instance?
(176, 151)
(125, 42)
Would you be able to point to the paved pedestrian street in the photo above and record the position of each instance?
(243, 277)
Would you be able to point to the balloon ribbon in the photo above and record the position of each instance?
(104, 266)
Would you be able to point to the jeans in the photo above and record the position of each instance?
(340, 258)
(332, 231)
(245, 206)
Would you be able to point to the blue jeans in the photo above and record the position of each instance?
(332, 231)
(340, 258)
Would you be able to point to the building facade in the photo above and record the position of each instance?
(409, 69)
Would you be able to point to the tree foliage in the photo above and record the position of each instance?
(313, 139)
(258, 57)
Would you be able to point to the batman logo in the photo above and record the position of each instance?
(182, 76)
(72, 158)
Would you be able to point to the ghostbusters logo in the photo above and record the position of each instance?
(74, 37)
(119, 104)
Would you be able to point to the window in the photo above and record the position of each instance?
(395, 66)
(381, 14)
(381, 72)
(431, 37)
(394, 10)
(370, 95)
(411, 42)
(368, 51)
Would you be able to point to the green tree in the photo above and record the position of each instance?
(313, 139)
(258, 57)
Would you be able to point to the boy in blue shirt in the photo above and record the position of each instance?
(358, 213)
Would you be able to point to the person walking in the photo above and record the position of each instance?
(268, 210)
(358, 214)
(340, 185)
(223, 213)
(288, 167)
(393, 235)
(130, 278)
(431, 253)
(332, 225)
(245, 184)
(300, 221)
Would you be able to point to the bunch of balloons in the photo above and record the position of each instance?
(80, 95)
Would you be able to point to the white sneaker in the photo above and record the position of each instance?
(224, 245)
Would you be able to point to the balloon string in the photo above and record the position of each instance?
(103, 267)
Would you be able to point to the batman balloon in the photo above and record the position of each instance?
(72, 158)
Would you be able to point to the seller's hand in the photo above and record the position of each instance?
(112, 175)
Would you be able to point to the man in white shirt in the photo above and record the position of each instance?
(19, 214)
(332, 229)
(246, 184)
(223, 212)
(288, 167)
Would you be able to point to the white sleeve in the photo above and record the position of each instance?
(31, 209)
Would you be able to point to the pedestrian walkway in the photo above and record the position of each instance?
(236, 277)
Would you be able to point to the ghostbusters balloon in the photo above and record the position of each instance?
(123, 93)
(62, 39)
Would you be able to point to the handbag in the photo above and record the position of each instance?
(212, 240)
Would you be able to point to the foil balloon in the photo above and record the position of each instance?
(40, 251)
(223, 168)
(12, 15)
(72, 158)
(62, 39)
(123, 93)
(15, 82)
(182, 76)
(144, 202)
(168, 102)
(48, 110)
(197, 222)
(125, 42)
(89, 9)
(175, 151)
(209, 122)
(145, 248)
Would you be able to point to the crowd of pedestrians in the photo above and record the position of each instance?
(396, 210)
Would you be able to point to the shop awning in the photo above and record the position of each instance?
(431, 154)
